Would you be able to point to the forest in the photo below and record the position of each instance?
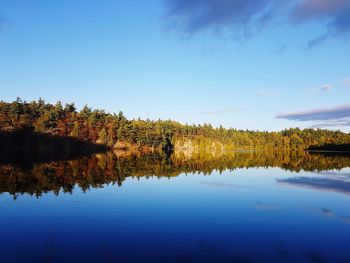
(114, 130)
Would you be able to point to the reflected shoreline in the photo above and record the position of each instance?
(96, 170)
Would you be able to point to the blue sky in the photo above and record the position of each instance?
(255, 64)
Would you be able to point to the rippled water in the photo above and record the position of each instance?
(240, 207)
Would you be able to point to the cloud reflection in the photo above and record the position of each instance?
(338, 184)
(221, 184)
(330, 213)
(265, 206)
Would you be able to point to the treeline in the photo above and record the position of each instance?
(96, 126)
(115, 130)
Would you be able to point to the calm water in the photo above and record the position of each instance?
(244, 207)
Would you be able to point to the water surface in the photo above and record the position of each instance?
(240, 207)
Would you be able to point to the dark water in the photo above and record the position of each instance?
(241, 207)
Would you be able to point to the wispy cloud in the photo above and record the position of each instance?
(326, 87)
(240, 16)
(346, 82)
(279, 50)
(246, 18)
(222, 112)
(334, 14)
(265, 92)
(335, 114)
(326, 117)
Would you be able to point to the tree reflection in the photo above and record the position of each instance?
(113, 168)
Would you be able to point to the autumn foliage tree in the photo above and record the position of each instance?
(98, 126)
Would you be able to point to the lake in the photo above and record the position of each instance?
(239, 207)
